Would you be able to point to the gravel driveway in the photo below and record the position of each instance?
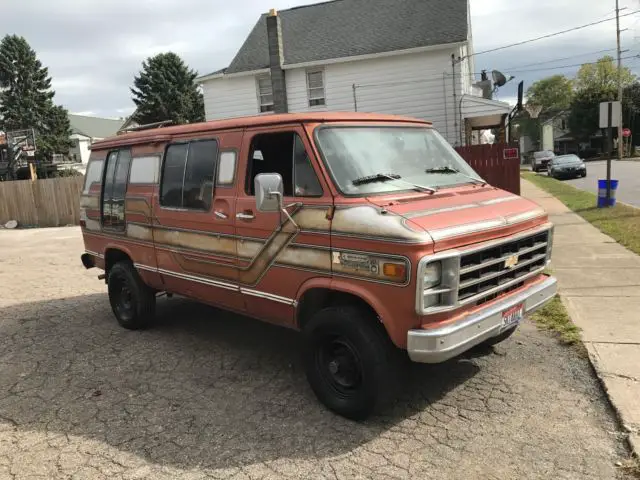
(206, 394)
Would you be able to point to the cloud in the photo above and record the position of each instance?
(94, 48)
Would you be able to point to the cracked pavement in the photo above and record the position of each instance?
(208, 394)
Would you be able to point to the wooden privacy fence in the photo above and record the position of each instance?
(492, 163)
(52, 202)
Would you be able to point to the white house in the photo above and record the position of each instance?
(85, 130)
(409, 57)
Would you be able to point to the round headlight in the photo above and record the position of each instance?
(432, 274)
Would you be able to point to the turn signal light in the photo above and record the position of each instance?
(394, 270)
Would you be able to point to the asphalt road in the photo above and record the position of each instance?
(205, 394)
(627, 172)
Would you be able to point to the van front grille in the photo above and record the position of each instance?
(491, 271)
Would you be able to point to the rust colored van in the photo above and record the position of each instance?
(368, 233)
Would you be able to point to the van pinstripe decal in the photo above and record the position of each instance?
(224, 285)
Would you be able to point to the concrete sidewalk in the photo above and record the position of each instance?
(599, 283)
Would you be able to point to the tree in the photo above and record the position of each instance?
(26, 98)
(584, 118)
(553, 94)
(26, 85)
(602, 75)
(165, 90)
(53, 136)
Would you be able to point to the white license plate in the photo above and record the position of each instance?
(513, 316)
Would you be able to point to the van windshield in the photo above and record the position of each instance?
(381, 159)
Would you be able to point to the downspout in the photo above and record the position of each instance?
(460, 117)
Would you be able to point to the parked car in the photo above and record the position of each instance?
(366, 232)
(567, 166)
(541, 160)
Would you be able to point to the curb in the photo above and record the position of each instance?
(632, 434)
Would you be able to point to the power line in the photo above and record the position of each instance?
(559, 59)
(565, 66)
(550, 35)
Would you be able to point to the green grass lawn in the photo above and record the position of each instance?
(621, 222)
(553, 317)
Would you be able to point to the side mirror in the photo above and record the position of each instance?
(269, 192)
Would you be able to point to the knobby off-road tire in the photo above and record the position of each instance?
(132, 301)
(351, 364)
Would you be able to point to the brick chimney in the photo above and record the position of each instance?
(276, 59)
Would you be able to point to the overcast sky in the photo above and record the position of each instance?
(93, 48)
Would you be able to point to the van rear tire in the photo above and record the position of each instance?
(351, 364)
(132, 301)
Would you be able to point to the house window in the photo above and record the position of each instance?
(265, 94)
(283, 153)
(315, 88)
(187, 177)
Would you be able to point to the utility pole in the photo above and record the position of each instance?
(620, 142)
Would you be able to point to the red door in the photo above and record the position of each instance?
(194, 220)
(275, 262)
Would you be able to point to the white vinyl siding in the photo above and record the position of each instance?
(315, 88)
(230, 97)
(265, 93)
(417, 85)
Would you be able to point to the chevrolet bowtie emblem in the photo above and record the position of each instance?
(511, 261)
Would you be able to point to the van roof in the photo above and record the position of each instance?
(164, 133)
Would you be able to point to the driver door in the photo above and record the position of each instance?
(274, 261)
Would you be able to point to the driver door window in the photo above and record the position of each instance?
(283, 153)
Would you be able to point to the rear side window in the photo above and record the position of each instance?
(114, 189)
(93, 175)
(187, 176)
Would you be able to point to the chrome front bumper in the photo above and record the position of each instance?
(439, 344)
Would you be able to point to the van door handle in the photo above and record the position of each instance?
(220, 214)
(245, 215)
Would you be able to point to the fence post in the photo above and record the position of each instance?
(34, 196)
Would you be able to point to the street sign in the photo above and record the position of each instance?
(609, 114)
(626, 132)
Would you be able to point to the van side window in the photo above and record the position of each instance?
(283, 153)
(187, 175)
(115, 189)
(93, 175)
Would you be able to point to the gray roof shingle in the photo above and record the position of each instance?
(94, 127)
(345, 28)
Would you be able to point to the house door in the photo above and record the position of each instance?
(194, 223)
(275, 257)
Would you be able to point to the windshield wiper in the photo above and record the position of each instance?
(383, 177)
(378, 177)
(447, 169)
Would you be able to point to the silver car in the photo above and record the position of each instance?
(541, 160)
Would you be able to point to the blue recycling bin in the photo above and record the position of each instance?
(602, 193)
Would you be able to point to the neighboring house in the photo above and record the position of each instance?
(387, 56)
(556, 135)
(86, 130)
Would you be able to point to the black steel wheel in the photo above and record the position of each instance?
(132, 301)
(351, 364)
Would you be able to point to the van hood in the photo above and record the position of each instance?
(462, 216)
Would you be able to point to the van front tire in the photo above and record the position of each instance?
(350, 362)
(132, 301)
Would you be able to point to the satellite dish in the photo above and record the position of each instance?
(498, 78)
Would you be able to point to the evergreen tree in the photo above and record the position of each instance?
(165, 90)
(26, 98)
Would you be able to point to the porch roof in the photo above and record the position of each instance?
(482, 112)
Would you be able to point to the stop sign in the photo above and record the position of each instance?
(626, 132)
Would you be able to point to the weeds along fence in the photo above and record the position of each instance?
(51, 202)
